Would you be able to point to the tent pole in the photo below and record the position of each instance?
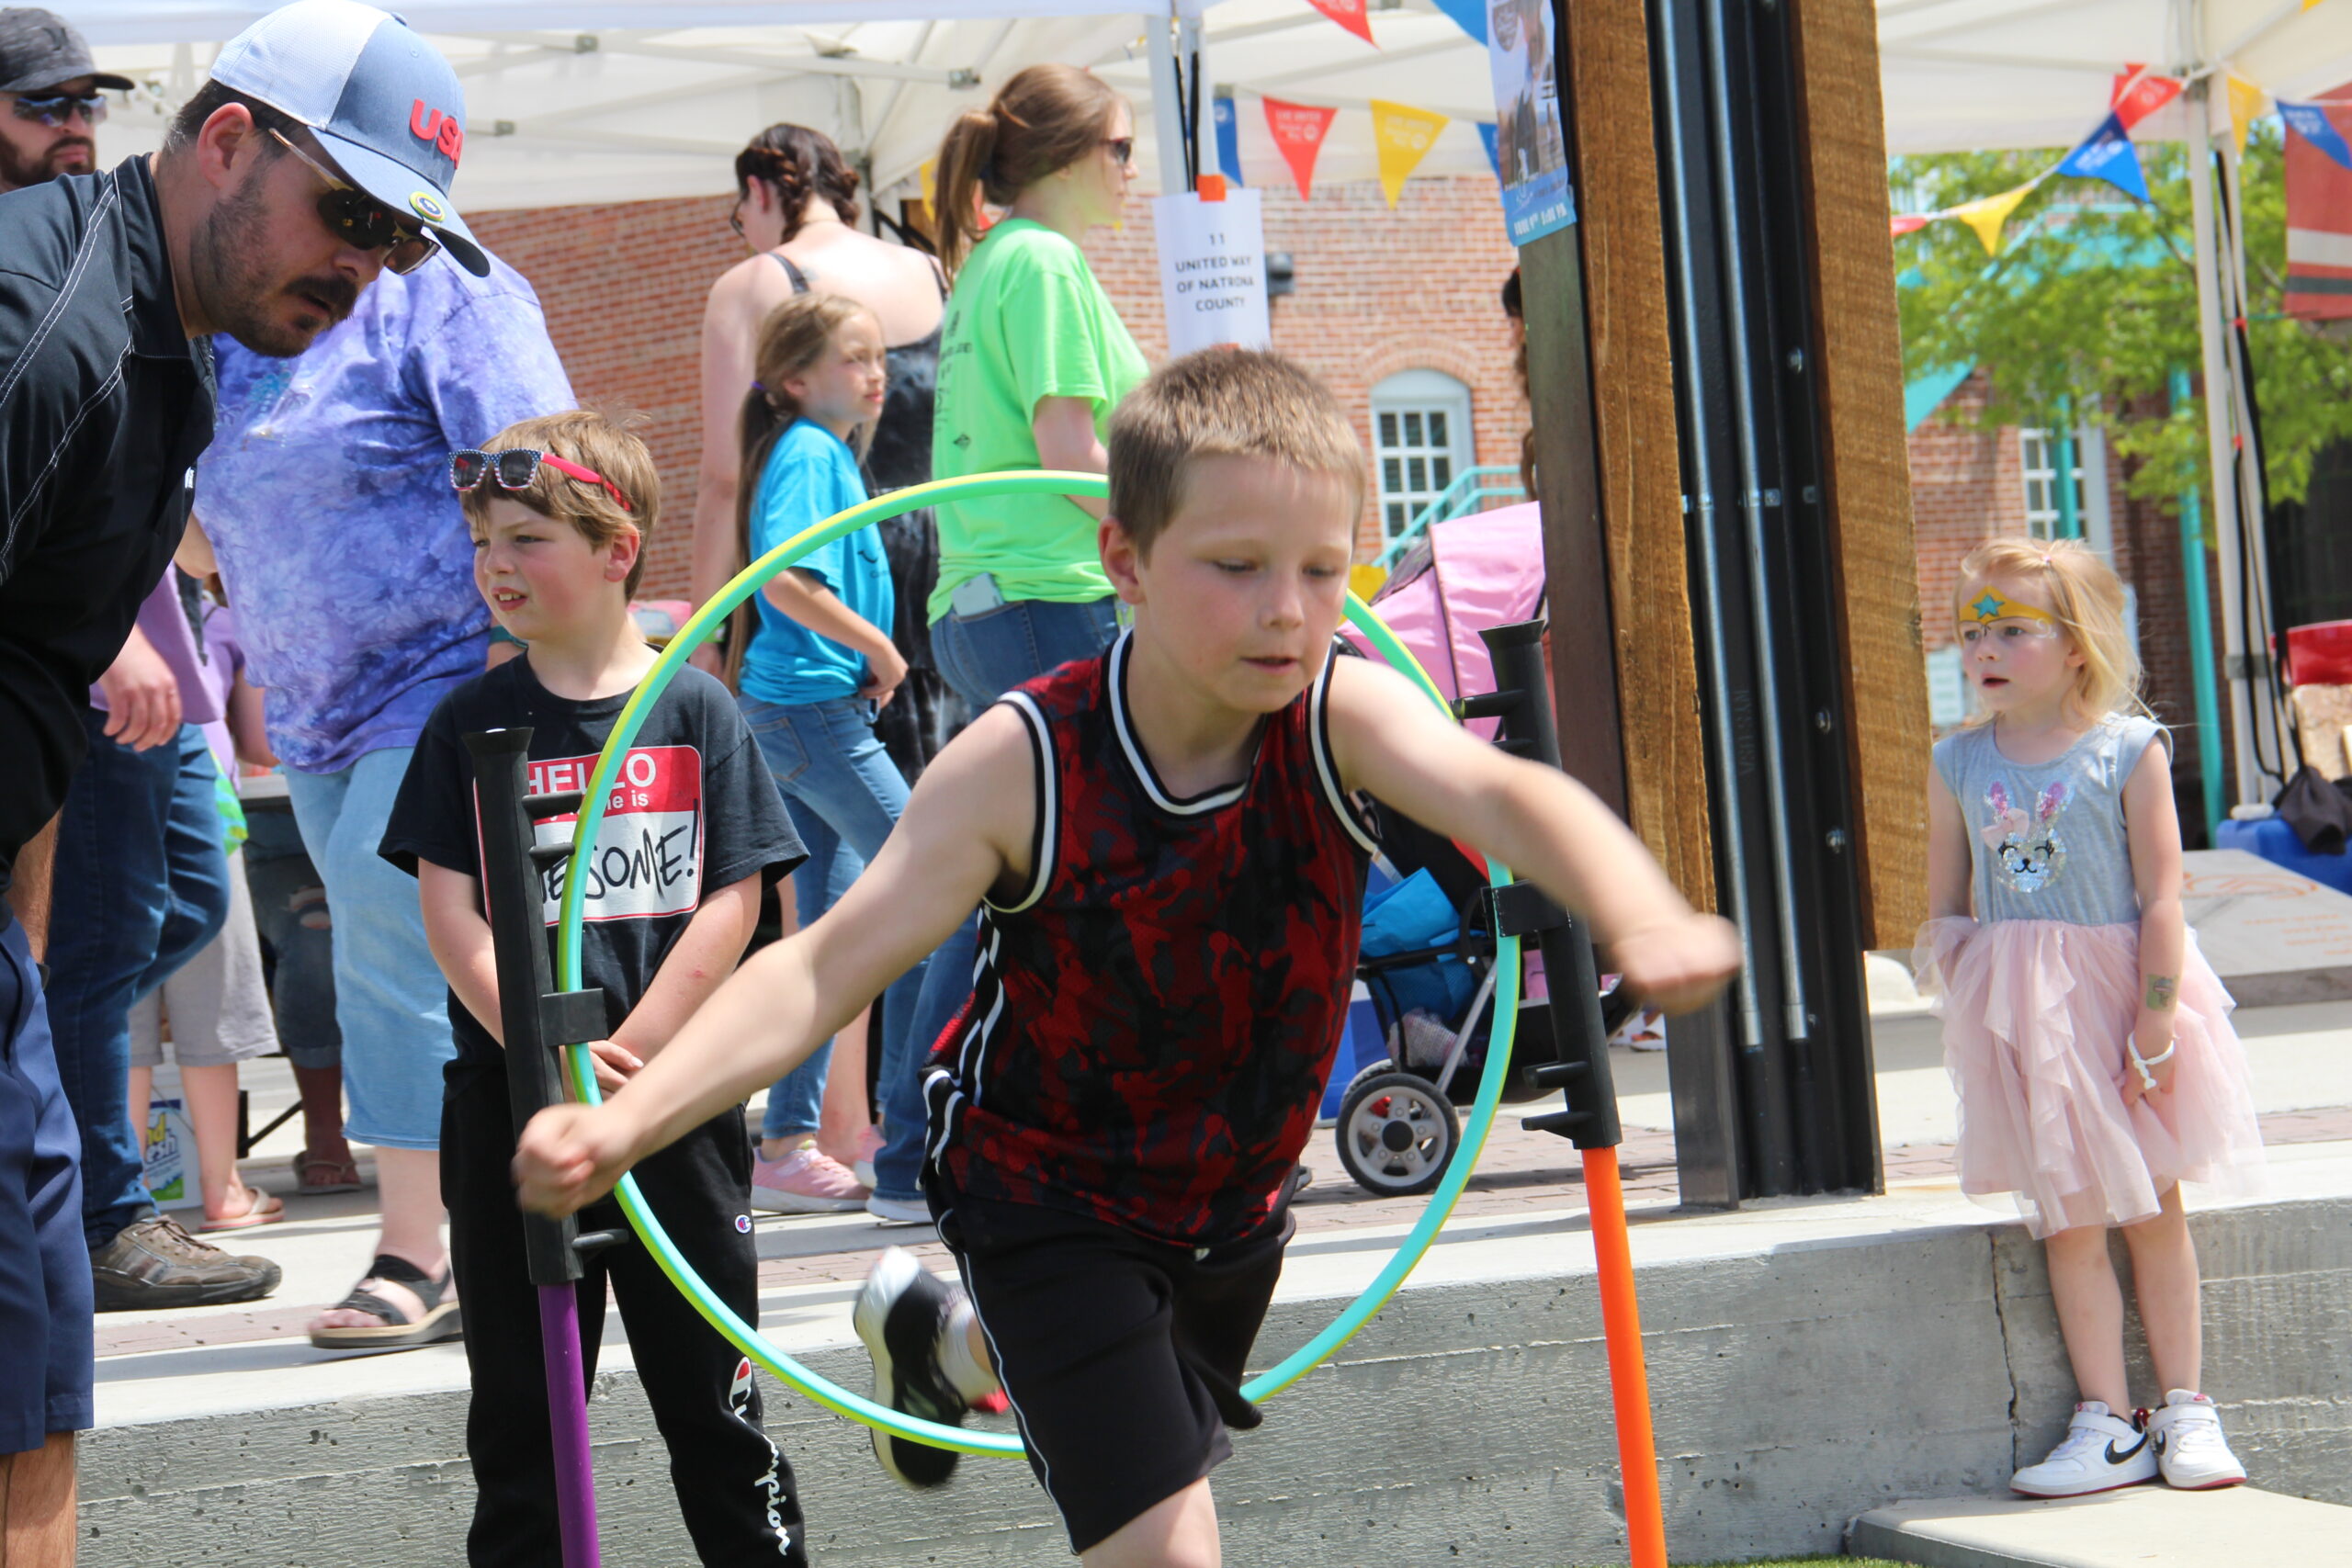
(2201, 630)
(2218, 406)
(1166, 103)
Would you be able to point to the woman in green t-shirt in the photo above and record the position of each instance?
(1032, 364)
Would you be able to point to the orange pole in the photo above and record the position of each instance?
(1629, 1378)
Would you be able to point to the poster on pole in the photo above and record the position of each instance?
(1531, 153)
(1213, 267)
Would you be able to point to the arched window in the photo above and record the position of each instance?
(1420, 433)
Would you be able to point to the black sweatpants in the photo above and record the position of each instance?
(733, 1485)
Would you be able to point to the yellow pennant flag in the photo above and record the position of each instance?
(2245, 106)
(2309, 4)
(1402, 137)
(1987, 213)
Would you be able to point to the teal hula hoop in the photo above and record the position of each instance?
(743, 1335)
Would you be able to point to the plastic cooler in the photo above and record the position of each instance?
(2276, 842)
(2320, 654)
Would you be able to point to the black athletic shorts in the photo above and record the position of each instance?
(1122, 1357)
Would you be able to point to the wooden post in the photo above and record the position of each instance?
(1858, 356)
(1608, 467)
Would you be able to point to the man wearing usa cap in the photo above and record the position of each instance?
(111, 286)
(325, 497)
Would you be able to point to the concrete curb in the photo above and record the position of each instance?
(1794, 1383)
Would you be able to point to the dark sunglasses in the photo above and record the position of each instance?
(1123, 148)
(56, 109)
(516, 468)
(362, 222)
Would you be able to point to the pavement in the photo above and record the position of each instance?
(2138, 1527)
(204, 1359)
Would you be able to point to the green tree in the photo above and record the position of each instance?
(2092, 302)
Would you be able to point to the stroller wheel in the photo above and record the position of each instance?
(1396, 1134)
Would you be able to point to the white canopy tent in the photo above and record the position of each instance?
(572, 101)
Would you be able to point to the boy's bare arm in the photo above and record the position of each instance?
(705, 953)
(459, 938)
(1389, 740)
(964, 831)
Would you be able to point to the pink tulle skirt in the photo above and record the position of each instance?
(2036, 1016)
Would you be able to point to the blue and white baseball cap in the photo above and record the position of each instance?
(381, 101)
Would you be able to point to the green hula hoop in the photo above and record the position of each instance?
(746, 1337)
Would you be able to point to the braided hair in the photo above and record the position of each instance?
(798, 162)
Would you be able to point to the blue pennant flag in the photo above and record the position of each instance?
(1487, 130)
(2311, 123)
(1471, 15)
(2108, 154)
(1228, 138)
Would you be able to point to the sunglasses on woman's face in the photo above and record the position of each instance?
(1122, 149)
(56, 110)
(363, 223)
(516, 468)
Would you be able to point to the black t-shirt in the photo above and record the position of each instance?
(694, 807)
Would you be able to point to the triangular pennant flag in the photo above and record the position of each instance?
(2311, 123)
(1298, 130)
(1349, 14)
(2108, 154)
(1401, 137)
(1470, 15)
(2246, 107)
(1987, 213)
(1487, 132)
(1904, 223)
(2138, 92)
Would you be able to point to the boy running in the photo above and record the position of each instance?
(1170, 861)
(559, 509)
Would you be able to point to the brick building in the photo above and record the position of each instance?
(1969, 483)
(1399, 308)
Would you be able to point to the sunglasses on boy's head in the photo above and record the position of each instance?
(55, 109)
(362, 222)
(516, 468)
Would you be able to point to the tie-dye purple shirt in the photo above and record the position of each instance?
(326, 494)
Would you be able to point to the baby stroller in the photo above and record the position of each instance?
(1427, 956)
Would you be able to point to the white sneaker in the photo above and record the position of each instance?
(2100, 1452)
(2190, 1450)
(898, 1210)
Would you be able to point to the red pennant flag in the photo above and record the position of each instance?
(1349, 14)
(2137, 93)
(1906, 223)
(1298, 129)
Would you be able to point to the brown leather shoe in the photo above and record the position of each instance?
(152, 1263)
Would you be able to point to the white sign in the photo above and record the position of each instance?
(1213, 270)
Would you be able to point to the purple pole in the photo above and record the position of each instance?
(575, 1475)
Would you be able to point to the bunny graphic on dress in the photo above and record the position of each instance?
(2027, 849)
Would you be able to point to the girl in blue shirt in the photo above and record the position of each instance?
(819, 666)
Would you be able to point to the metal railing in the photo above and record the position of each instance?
(1473, 490)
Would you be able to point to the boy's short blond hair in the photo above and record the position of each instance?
(602, 446)
(1222, 402)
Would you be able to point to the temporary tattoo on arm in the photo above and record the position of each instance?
(2161, 990)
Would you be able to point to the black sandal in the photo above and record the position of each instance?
(393, 1332)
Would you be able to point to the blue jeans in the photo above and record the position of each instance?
(45, 1325)
(390, 1003)
(983, 657)
(844, 794)
(142, 887)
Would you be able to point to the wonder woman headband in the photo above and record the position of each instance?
(1989, 606)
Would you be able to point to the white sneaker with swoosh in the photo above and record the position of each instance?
(2190, 1450)
(2100, 1452)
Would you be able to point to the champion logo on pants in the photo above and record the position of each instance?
(743, 1399)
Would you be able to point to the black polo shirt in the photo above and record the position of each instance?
(104, 404)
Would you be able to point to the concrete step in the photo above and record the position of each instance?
(2140, 1526)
